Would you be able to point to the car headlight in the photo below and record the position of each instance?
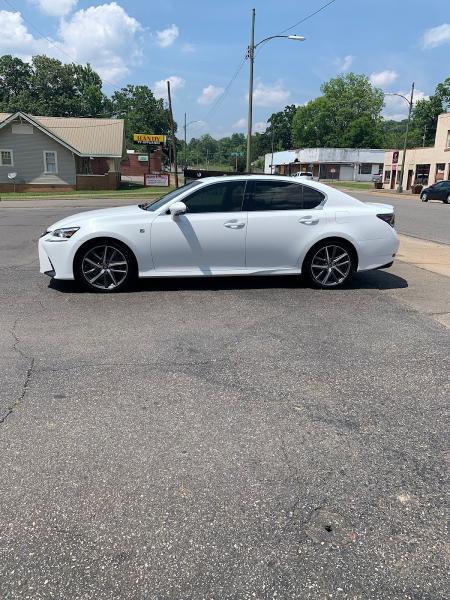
(64, 232)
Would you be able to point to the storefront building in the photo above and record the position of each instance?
(422, 165)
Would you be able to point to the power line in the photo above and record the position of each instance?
(227, 88)
(241, 64)
(307, 17)
(49, 40)
(298, 23)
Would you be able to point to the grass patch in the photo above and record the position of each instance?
(356, 185)
(124, 192)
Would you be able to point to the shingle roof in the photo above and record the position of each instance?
(89, 137)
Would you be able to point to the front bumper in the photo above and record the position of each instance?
(56, 258)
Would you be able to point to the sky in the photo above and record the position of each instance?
(200, 46)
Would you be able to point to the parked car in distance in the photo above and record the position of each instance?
(437, 191)
(305, 174)
(234, 225)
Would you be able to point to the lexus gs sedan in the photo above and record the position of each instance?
(233, 225)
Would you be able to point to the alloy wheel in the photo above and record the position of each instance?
(424, 198)
(331, 265)
(104, 267)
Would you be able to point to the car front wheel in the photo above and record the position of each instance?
(104, 266)
(424, 198)
(329, 264)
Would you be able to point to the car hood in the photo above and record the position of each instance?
(118, 212)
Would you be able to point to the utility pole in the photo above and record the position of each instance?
(185, 143)
(410, 102)
(251, 57)
(174, 140)
(271, 160)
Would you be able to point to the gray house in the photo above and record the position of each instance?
(59, 153)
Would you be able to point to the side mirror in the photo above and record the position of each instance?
(178, 208)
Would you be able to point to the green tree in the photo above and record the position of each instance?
(15, 84)
(348, 114)
(425, 115)
(142, 112)
(280, 126)
(46, 86)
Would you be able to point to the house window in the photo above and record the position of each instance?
(448, 139)
(387, 176)
(50, 161)
(6, 158)
(365, 168)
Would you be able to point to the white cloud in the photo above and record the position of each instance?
(383, 78)
(260, 127)
(16, 39)
(188, 48)
(209, 94)
(396, 108)
(166, 37)
(436, 36)
(345, 63)
(56, 8)
(265, 95)
(106, 37)
(240, 124)
(160, 87)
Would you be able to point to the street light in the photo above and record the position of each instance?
(251, 55)
(410, 104)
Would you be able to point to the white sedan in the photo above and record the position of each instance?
(236, 225)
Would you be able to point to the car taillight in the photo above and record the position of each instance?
(389, 218)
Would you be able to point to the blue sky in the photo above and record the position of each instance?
(200, 45)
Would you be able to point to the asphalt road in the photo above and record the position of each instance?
(426, 220)
(226, 438)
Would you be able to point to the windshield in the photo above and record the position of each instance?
(158, 202)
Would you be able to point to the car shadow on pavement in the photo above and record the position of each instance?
(369, 280)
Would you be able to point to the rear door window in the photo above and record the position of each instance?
(283, 195)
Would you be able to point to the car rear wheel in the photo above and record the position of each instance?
(447, 200)
(329, 264)
(105, 267)
(424, 198)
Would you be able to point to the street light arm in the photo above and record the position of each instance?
(299, 38)
(401, 96)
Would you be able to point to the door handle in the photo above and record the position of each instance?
(234, 225)
(308, 220)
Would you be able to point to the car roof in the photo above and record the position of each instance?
(310, 182)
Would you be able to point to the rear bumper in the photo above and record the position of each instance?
(375, 254)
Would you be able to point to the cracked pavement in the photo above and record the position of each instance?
(227, 438)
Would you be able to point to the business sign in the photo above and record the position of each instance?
(156, 179)
(395, 157)
(149, 138)
(142, 158)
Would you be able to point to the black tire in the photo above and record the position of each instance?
(329, 264)
(424, 198)
(105, 266)
(446, 200)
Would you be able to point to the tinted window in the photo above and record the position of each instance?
(283, 195)
(311, 197)
(155, 204)
(217, 197)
